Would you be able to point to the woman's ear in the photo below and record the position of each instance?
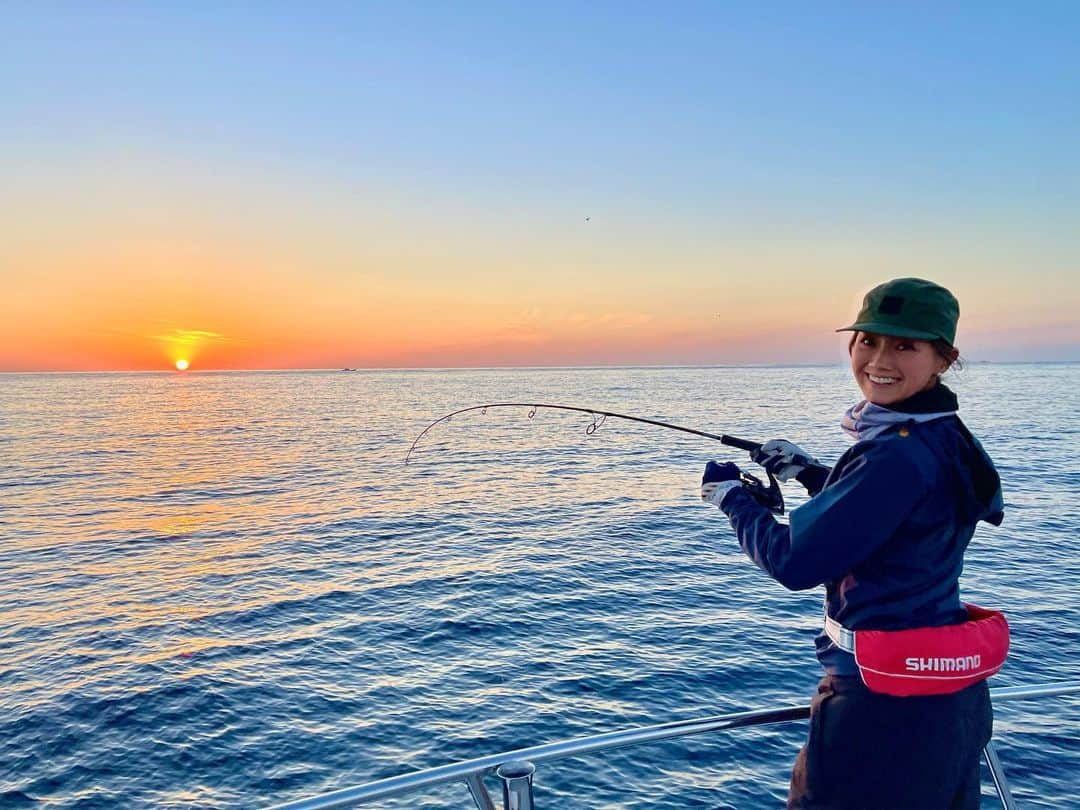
(945, 363)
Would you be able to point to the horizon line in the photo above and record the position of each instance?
(586, 366)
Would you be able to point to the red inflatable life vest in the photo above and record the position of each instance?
(927, 660)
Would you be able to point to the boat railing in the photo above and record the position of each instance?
(515, 770)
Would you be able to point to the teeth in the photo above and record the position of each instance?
(881, 380)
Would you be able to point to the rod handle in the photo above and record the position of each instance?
(742, 444)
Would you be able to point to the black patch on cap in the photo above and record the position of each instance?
(891, 305)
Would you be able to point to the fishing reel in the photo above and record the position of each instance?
(768, 496)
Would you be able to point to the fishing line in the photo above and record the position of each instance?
(769, 495)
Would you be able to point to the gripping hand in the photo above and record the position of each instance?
(718, 481)
(785, 460)
(782, 458)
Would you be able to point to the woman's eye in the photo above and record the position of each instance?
(904, 346)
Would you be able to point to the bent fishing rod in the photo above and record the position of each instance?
(769, 495)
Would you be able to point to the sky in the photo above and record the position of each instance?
(326, 185)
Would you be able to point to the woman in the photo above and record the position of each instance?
(903, 712)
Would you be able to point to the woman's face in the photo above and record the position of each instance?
(889, 369)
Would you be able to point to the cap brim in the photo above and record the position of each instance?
(890, 329)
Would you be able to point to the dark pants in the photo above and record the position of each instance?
(867, 750)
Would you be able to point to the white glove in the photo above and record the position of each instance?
(714, 492)
(783, 459)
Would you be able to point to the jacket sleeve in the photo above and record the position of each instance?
(860, 509)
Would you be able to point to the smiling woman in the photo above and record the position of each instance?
(885, 531)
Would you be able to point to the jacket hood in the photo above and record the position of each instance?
(982, 487)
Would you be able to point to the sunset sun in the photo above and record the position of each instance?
(181, 365)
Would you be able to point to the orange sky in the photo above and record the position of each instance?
(128, 261)
(330, 283)
(139, 299)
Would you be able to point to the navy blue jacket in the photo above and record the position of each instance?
(887, 533)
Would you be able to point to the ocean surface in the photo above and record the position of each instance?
(227, 590)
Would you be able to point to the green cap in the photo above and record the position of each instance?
(909, 307)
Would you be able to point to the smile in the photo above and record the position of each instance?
(882, 380)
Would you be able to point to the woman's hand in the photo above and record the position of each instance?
(718, 481)
(783, 459)
(786, 460)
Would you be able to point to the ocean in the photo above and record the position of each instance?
(228, 590)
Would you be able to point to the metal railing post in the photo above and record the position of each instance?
(997, 773)
(517, 776)
(479, 792)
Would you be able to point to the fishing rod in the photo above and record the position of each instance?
(769, 495)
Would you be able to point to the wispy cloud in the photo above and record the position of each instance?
(190, 336)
